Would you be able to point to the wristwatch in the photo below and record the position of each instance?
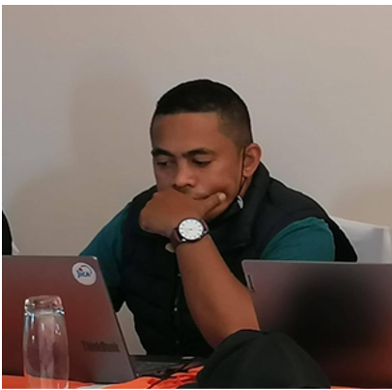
(189, 230)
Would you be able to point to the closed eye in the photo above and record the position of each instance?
(201, 163)
(164, 164)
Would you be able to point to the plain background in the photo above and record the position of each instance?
(80, 84)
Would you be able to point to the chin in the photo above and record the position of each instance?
(216, 213)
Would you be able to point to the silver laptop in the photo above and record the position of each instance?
(340, 313)
(96, 346)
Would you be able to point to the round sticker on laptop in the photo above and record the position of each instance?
(84, 274)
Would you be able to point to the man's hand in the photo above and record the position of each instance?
(168, 208)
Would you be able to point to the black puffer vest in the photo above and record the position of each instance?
(150, 276)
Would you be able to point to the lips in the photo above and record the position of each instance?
(198, 197)
(194, 196)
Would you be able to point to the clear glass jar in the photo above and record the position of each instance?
(45, 343)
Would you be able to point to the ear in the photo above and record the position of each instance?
(252, 157)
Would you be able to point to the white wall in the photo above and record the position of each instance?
(80, 84)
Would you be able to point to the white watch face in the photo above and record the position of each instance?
(191, 229)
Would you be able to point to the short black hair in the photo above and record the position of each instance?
(209, 96)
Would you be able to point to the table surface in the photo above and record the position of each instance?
(18, 382)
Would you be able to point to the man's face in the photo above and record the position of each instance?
(192, 155)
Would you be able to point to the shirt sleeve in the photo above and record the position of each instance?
(309, 239)
(107, 248)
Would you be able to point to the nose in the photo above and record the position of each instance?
(184, 177)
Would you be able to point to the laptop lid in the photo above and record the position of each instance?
(340, 313)
(96, 346)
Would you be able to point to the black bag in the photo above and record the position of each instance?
(253, 359)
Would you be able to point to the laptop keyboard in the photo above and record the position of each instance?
(148, 365)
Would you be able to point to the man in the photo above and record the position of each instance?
(181, 278)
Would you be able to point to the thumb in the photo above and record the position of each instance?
(213, 201)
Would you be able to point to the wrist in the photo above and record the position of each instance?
(189, 230)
